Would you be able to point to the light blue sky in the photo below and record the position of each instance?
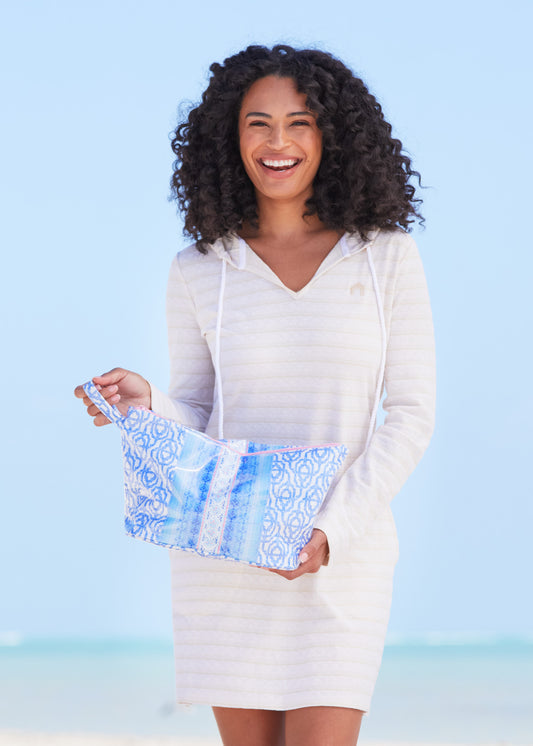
(90, 95)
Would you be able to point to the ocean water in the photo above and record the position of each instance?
(434, 690)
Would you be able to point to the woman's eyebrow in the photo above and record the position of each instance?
(258, 114)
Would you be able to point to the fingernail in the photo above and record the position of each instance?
(303, 557)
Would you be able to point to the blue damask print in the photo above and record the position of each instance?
(238, 500)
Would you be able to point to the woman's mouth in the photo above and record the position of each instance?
(279, 165)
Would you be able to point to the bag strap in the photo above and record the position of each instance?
(110, 411)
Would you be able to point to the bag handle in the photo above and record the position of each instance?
(110, 411)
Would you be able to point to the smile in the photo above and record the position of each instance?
(279, 165)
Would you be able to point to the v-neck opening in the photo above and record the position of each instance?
(339, 249)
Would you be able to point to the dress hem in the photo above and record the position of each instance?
(363, 705)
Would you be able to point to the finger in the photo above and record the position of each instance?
(112, 376)
(318, 538)
(109, 395)
(293, 574)
(307, 553)
(316, 543)
(108, 392)
(93, 410)
(312, 566)
(79, 391)
(100, 420)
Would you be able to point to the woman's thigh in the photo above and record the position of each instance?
(249, 727)
(322, 726)
(307, 726)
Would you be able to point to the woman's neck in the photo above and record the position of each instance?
(280, 222)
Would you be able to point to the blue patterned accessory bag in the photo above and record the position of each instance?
(231, 499)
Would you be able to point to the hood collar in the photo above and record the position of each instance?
(232, 249)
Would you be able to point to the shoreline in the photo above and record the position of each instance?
(34, 738)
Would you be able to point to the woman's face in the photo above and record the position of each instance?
(280, 143)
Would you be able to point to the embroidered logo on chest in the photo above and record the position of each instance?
(357, 289)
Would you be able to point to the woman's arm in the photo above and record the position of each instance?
(371, 482)
(192, 376)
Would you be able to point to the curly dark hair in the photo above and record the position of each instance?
(363, 179)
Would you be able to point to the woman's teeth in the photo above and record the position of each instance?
(281, 165)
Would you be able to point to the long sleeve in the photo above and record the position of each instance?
(192, 377)
(371, 482)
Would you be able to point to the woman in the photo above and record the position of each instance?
(302, 292)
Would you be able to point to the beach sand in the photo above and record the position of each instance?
(23, 738)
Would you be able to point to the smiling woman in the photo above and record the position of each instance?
(301, 299)
(363, 181)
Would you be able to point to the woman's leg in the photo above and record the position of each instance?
(249, 727)
(322, 726)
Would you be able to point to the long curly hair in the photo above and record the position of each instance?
(363, 179)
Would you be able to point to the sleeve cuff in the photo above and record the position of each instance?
(161, 404)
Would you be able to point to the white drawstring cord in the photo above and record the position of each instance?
(381, 375)
(242, 253)
(218, 375)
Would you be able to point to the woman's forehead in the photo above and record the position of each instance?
(273, 94)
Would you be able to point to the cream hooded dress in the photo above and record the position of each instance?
(300, 368)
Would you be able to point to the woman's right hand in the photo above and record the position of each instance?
(120, 387)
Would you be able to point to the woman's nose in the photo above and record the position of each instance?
(278, 136)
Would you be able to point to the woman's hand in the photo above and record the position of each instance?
(312, 557)
(124, 388)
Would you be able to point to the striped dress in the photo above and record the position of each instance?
(300, 368)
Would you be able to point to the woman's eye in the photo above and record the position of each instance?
(258, 124)
(299, 123)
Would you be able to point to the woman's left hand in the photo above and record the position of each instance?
(312, 557)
